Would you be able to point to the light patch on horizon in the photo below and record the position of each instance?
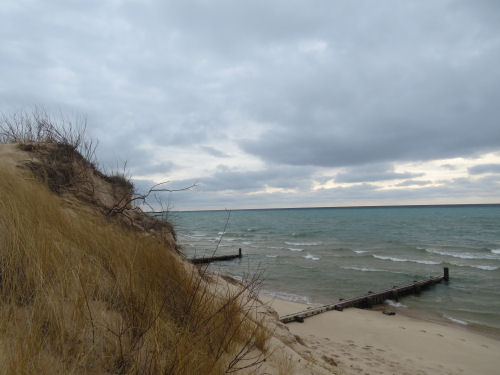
(272, 190)
(441, 171)
(434, 173)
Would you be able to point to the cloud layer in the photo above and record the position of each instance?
(272, 103)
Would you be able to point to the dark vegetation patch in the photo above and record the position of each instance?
(329, 360)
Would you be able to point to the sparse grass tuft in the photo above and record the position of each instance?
(120, 180)
(285, 362)
(80, 294)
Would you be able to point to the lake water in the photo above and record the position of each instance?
(319, 255)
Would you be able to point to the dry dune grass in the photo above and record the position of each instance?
(80, 294)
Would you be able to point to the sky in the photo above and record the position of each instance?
(271, 103)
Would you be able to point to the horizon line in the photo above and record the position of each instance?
(334, 207)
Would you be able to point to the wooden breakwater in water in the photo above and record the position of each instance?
(368, 300)
(205, 260)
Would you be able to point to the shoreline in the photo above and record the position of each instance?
(369, 342)
(436, 318)
(430, 316)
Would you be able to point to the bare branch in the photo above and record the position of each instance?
(125, 201)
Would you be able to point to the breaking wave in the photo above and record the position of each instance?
(303, 243)
(363, 269)
(462, 255)
(392, 259)
(455, 320)
(485, 268)
(392, 303)
(310, 256)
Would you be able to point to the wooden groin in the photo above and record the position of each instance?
(368, 300)
(205, 260)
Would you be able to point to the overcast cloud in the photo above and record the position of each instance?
(272, 103)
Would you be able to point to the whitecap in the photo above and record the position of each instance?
(461, 255)
(303, 243)
(495, 251)
(424, 261)
(455, 320)
(405, 260)
(360, 251)
(363, 269)
(485, 268)
(295, 249)
(389, 258)
(247, 243)
(271, 256)
(392, 303)
(188, 236)
(287, 296)
(310, 256)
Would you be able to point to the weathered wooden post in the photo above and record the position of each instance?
(416, 287)
(239, 252)
(395, 295)
(446, 275)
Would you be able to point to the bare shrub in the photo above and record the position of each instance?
(66, 156)
(38, 126)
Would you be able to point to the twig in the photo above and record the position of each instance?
(88, 306)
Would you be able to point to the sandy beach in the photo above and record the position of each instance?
(366, 342)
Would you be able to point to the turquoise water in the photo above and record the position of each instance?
(319, 255)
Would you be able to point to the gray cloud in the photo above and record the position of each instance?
(214, 152)
(372, 173)
(227, 179)
(414, 183)
(443, 111)
(485, 168)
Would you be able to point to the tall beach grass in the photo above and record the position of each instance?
(82, 294)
